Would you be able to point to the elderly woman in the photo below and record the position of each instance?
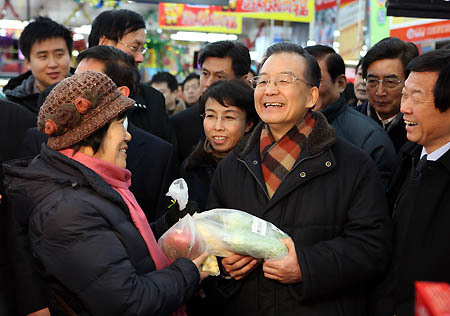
(229, 113)
(92, 243)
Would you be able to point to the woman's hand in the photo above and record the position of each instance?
(198, 262)
(238, 266)
(286, 270)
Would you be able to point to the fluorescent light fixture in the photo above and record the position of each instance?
(12, 24)
(78, 37)
(202, 37)
(84, 29)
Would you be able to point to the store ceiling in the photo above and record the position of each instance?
(61, 10)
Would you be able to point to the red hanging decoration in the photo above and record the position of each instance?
(7, 5)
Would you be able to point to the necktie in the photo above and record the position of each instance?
(420, 165)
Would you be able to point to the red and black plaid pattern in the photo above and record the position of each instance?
(277, 158)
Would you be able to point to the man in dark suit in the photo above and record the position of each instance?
(125, 30)
(221, 60)
(419, 191)
(384, 69)
(14, 121)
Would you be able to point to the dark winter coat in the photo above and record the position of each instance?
(188, 128)
(15, 120)
(20, 90)
(364, 133)
(86, 245)
(421, 219)
(395, 129)
(150, 159)
(331, 204)
(198, 170)
(149, 113)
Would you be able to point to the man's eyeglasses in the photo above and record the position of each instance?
(390, 83)
(281, 80)
(135, 49)
(227, 119)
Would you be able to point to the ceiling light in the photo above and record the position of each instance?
(202, 37)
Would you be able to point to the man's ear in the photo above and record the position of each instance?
(341, 83)
(124, 90)
(27, 63)
(106, 41)
(314, 96)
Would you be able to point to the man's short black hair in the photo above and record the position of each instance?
(390, 48)
(233, 92)
(312, 71)
(41, 29)
(436, 61)
(239, 54)
(119, 66)
(114, 24)
(164, 76)
(191, 76)
(335, 63)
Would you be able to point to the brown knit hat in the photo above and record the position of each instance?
(78, 106)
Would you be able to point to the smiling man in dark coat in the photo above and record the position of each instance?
(323, 192)
(419, 192)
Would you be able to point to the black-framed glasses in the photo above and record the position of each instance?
(135, 49)
(388, 82)
(281, 80)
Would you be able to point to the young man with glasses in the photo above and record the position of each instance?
(419, 193)
(125, 29)
(351, 125)
(384, 69)
(293, 172)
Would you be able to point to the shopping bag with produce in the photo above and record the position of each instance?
(183, 240)
(228, 231)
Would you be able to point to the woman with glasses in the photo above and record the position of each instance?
(228, 113)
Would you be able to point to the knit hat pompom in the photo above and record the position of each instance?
(78, 106)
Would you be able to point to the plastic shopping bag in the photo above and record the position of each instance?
(178, 191)
(228, 231)
(183, 240)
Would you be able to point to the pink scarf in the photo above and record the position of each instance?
(120, 180)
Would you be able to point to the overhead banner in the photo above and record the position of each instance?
(197, 18)
(284, 10)
(324, 4)
(423, 32)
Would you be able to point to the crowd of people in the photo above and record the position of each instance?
(88, 154)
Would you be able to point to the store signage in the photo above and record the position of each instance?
(197, 18)
(423, 32)
(208, 2)
(324, 4)
(285, 10)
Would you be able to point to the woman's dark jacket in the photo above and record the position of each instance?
(86, 245)
(332, 204)
(198, 170)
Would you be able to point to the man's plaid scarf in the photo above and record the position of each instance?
(277, 158)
